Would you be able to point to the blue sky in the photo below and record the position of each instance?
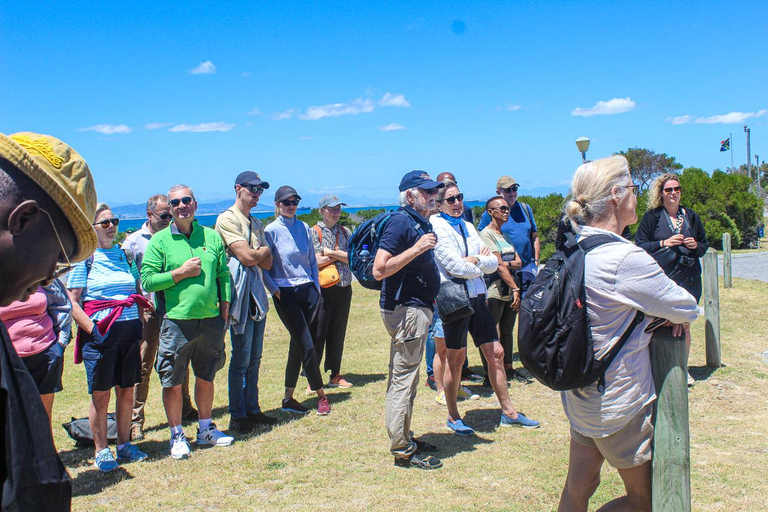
(346, 97)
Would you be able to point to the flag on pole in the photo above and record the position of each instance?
(725, 145)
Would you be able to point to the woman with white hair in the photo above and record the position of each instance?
(620, 279)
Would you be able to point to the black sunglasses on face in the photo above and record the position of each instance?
(513, 188)
(253, 189)
(429, 191)
(457, 197)
(186, 200)
(669, 190)
(105, 223)
(290, 202)
(162, 216)
(500, 208)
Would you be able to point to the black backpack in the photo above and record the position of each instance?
(555, 340)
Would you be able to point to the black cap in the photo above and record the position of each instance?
(418, 179)
(285, 192)
(250, 178)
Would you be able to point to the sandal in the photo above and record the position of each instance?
(420, 461)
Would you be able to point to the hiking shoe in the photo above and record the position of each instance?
(262, 419)
(105, 461)
(180, 447)
(467, 375)
(130, 453)
(440, 398)
(520, 421)
(465, 394)
(323, 407)
(212, 436)
(418, 460)
(241, 425)
(431, 382)
(339, 382)
(521, 376)
(137, 432)
(459, 428)
(291, 405)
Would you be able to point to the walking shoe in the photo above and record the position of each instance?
(130, 453)
(262, 419)
(418, 460)
(180, 447)
(323, 407)
(431, 382)
(459, 428)
(241, 425)
(137, 432)
(440, 398)
(520, 421)
(212, 436)
(521, 376)
(465, 394)
(467, 375)
(291, 405)
(105, 461)
(339, 382)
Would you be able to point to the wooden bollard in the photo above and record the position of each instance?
(727, 280)
(712, 309)
(671, 480)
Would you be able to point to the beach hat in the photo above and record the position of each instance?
(505, 182)
(418, 179)
(285, 192)
(63, 174)
(330, 200)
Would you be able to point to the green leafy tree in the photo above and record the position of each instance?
(646, 165)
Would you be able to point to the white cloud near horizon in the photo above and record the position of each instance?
(286, 114)
(156, 126)
(204, 68)
(606, 108)
(202, 127)
(729, 118)
(392, 127)
(509, 107)
(394, 100)
(255, 111)
(352, 108)
(107, 129)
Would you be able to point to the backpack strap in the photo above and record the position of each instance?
(319, 232)
(611, 355)
(590, 242)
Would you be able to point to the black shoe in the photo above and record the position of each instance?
(431, 382)
(241, 425)
(418, 460)
(487, 383)
(467, 375)
(291, 405)
(190, 416)
(262, 419)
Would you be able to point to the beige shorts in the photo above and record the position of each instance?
(629, 447)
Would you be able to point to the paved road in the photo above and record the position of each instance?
(747, 266)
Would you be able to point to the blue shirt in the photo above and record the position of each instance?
(110, 278)
(517, 230)
(293, 254)
(417, 283)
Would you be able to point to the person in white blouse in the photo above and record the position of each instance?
(620, 279)
(461, 254)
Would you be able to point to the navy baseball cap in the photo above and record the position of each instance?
(250, 178)
(285, 192)
(418, 179)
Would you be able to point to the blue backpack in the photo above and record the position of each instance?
(362, 248)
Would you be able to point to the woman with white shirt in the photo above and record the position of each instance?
(460, 253)
(620, 279)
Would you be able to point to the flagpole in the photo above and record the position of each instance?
(730, 137)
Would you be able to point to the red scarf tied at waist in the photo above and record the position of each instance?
(105, 324)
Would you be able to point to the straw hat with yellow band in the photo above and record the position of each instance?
(63, 174)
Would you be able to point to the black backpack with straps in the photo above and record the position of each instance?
(555, 339)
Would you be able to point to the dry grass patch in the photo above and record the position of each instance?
(341, 461)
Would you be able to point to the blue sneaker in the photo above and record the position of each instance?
(130, 453)
(520, 421)
(105, 461)
(459, 428)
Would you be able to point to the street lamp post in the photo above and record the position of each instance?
(583, 144)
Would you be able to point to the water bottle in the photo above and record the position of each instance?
(365, 253)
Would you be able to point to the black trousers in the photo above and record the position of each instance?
(296, 307)
(330, 326)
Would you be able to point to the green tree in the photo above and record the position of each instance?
(646, 165)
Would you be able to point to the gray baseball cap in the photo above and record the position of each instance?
(330, 200)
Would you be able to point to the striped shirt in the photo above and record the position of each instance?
(110, 278)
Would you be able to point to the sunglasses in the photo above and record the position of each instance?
(290, 202)
(253, 189)
(669, 190)
(513, 188)
(634, 188)
(429, 191)
(186, 200)
(62, 267)
(500, 208)
(457, 197)
(106, 222)
(162, 216)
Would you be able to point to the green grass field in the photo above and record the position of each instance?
(341, 462)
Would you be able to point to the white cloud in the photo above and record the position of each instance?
(204, 68)
(606, 108)
(255, 111)
(509, 107)
(729, 118)
(358, 106)
(286, 114)
(107, 129)
(156, 126)
(392, 127)
(680, 119)
(394, 100)
(203, 127)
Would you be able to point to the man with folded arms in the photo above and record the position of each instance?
(188, 264)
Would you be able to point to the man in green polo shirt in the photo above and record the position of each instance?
(188, 264)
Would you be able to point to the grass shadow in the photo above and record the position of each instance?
(450, 445)
(483, 420)
(701, 372)
(363, 379)
(77, 456)
(88, 483)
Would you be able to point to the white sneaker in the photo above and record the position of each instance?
(466, 394)
(212, 436)
(180, 447)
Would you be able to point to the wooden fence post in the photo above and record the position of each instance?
(671, 472)
(712, 309)
(727, 280)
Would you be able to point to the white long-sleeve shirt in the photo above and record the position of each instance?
(450, 253)
(621, 278)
